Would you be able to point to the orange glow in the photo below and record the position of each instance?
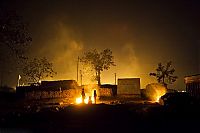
(157, 99)
(158, 94)
(86, 100)
(78, 100)
(154, 91)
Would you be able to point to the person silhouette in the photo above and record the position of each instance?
(83, 95)
(95, 96)
(90, 100)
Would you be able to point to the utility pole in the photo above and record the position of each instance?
(1, 79)
(115, 79)
(2, 76)
(18, 83)
(77, 68)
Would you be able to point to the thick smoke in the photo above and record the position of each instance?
(154, 91)
(62, 48)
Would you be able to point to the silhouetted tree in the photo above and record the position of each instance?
(37, 69)
(14, 33)
(99, 61)
(165, 74)
(14, 41)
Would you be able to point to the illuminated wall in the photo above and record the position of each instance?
(128, 86)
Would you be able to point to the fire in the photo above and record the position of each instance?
(86, 100)
(157, 99)
(79, 100)
(158, 94)
(154, 91)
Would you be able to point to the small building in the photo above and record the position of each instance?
(128, 86)
(193, 85)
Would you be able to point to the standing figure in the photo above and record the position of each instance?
(90, 100)
(83, 95)
(95, 96)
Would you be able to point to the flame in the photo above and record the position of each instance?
(86, 100)
(157, 98)
(154, 91)
(158, 94)
(79, 100)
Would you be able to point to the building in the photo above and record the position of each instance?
(128, 86)
(48, 89)
(193, 85)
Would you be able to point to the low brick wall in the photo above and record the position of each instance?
(105, 92)
(71, 93)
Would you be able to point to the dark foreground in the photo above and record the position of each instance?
(102, 118)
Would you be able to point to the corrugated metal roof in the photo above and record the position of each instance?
(192, 78)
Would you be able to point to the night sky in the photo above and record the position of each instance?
(140, 33)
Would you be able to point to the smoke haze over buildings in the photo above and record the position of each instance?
(139, 34)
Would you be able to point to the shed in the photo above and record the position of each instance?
(130, 86)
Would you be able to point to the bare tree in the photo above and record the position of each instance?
(99, 61)
(38, 68)
(14, 33)
(14, 41)
(165, 74)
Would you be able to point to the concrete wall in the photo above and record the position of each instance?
(129, 86)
